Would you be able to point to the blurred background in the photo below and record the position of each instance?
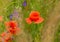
(49, 30)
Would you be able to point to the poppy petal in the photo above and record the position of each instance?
(40, 20)
(3, 34)
(7, 37)
(13, 24)
(1, 18)
(18, 31)
(7, 24)
(28, 21)
(34, 13)
(12, 31)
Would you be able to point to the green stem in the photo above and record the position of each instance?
(34, 32)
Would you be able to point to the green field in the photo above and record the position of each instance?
(47, 31)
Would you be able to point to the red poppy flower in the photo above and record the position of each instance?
(11, 24)
(34, 17)
(6, 36)
(13, 30)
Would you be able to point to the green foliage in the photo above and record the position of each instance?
(57, 36)
(43, 6)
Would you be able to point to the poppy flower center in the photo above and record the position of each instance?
(34, 17)
(12, 24)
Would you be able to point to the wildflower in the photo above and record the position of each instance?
(34, 17)
(11, 16)
(6, 36)
(12, 27)
(15, 14)
(24, 3)
(1, 18)
(13, 30)
(11, 24)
